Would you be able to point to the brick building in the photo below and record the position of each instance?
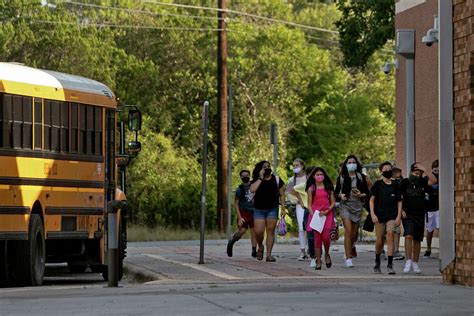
(459, 218)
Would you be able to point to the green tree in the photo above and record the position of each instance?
(364, 28)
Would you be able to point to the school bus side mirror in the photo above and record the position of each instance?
(134, 147)
(134, 120)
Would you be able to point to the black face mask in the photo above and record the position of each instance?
(245, 179)
(267, 172)
(436, 175)
(387, 174)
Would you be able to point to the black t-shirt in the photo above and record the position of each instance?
(386, 198)
(414, 196)
(267, 195)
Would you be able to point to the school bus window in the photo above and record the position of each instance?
(38, 123)
(55, 127)
(47, 125)
(7, 120)
(74, 128)
(89, 129)
(64, 123)
(98, 131)
(17, 120)
(82, 130)
(27, 133)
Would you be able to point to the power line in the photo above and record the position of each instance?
(141, 11)
(303, 26)
(127, 26)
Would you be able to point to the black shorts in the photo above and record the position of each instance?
(413, 227)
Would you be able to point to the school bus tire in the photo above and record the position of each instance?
(3, 263)
(31, 255)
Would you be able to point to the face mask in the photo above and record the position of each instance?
(436, 175)
(319, 178)
(267, 172)
(387, 174)
(297, 170)
(351, 167)
(245, 179)
(413, 178)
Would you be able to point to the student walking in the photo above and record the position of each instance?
(269, 193)
(295, 198)
(432, 216)
(397, 255)
(414, 190)
(321, 200)
(243, 203)
(385, 211)
(301, 190)
(351, 190)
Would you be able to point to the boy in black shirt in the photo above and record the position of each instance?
(385, 211)
(414, 190)
(243, 204)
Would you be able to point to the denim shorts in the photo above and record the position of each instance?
(266, 214)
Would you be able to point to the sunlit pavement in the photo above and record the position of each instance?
(241, 285)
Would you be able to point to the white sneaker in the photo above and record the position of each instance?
(302, 257)
(407, 267)
(349, 263)
(312, 264)
(416, 268)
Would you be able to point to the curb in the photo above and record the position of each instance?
(138, 274)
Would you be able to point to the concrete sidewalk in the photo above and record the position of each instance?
(177, 262)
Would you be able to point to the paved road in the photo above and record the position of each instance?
(242, 285)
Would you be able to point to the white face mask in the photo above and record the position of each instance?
(351, 167)
(297, 170)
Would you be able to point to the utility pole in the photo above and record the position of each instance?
(222, 140)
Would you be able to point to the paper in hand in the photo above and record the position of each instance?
(317, 222)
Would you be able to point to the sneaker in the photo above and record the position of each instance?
(407, 266)
(427, 254)
(377, 269)
(354, 252)
(349, 263)
(302, 257)
(416, 268)
(398, 256)
(230, 246)
(390, 270)
(254, 253)
(312, 264)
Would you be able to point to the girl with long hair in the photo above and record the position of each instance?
(295, 198)
(321, 202)
(269, 193)
(351, 190)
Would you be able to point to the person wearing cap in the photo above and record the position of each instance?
(414, 190)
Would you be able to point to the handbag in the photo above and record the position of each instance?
(281, 229)
(334, 232)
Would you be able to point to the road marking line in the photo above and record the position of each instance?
(216, 273)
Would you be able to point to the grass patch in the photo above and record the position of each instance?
(144, 233)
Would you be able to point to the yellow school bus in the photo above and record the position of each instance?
(59, 150)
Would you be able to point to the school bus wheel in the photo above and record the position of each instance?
(30, 255)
